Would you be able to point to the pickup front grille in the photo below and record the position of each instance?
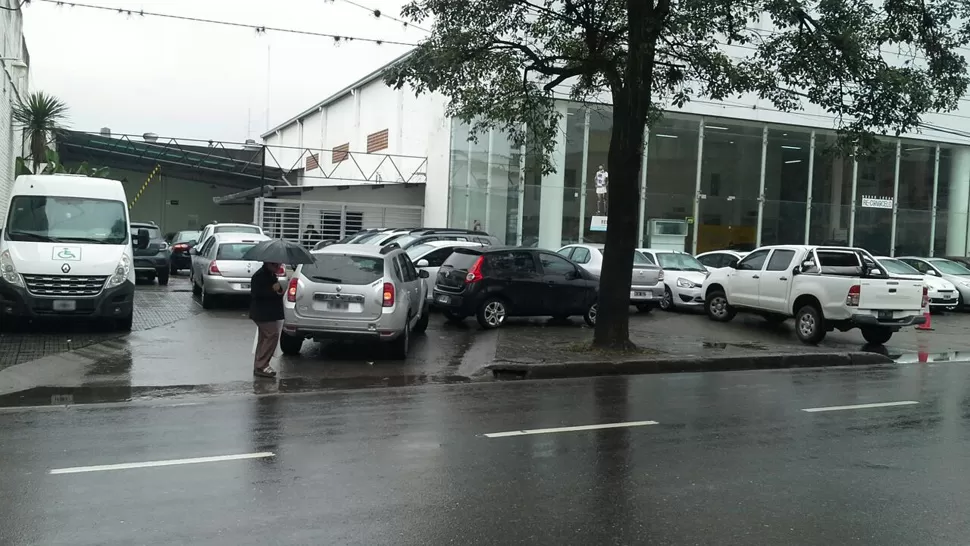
(64, 285)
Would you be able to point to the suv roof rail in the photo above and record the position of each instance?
(390, 247)
(434, 231)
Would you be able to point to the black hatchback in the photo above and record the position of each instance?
(495, 283)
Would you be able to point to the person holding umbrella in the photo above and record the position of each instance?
(266, 297)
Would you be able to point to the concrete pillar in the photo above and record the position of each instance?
(959, 203)
(550, 204)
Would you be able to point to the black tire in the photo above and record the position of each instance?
(667, 301)
(591, 314)
(717, 307)
(644, 308)
(876, 335)
(810, 325)
(163, 277)
(492, 313)
(401, 345)
(422, 323)
(196, 289)
(208, 301)
(124, 324)
(174, 270)
(451, 317)
(290, 345)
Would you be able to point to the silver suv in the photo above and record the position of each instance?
(355, 292)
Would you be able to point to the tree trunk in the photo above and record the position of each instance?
(38, 150)
(631, 104)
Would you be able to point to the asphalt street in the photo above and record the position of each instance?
(715, 458)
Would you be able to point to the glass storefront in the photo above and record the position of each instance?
(711, 183)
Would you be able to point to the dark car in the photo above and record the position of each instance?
(181, 243)
(495, 283)
(154, 261)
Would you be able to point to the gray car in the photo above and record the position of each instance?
(351, 291)
(218, 270)
(647, 283)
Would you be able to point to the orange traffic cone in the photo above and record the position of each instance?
(923, 356)
(928, 325)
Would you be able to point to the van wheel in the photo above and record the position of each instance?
(401, 345)
(290, 345)
(810, 325)
(492, 313)
(422, 323)
(591, 314)
(717, 307)
(876, 335)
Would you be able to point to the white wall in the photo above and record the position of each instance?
(13, 83)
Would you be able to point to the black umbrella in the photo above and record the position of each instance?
(278, 251)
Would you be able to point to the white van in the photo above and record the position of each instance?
(66, 252)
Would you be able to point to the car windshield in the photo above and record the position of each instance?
(949, 268)
(675, 261)
(417, 251)
(186, 236)
(67, 219)
(897, 267)
(154, 233)
(344, 269)
(236, 229)
(233, 251)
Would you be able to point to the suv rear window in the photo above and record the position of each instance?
(233, 251)
(235, 229)
(461, 259)
(343, 269)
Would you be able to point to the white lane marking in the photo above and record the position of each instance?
(862, 406)
(170, 462)
(568, 429)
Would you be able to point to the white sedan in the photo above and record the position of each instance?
(941, 292)
(684, 278)
(429, 257)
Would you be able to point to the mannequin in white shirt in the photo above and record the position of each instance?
(602, 183)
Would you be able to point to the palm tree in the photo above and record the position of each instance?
(41, 117)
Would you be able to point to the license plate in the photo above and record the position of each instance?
(243, 286)
(443, 299)
(65, 305)
(885, 315)
(646, 295)
(338, 305)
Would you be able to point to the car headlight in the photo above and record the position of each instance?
(8, 270)
(684, 283)
(121, 273)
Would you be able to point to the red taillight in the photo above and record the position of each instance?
(281, 272)
(475, 271)
(214, 269)
(388, 295)
(180, 247)
(852, 300)
(926, 296)
(291, 290)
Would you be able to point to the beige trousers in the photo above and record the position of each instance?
(267, 338)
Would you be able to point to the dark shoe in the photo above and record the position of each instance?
(268, 371)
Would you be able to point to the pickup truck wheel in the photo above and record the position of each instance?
(809, 325)
(718, 308)
(876, 335)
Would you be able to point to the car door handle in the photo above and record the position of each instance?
(783, 279)
(755, 277)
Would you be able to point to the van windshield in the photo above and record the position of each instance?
(66, 219)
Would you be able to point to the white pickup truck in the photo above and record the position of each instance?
(823, 288)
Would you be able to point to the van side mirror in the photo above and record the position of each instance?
(142, 239)
(422, 263)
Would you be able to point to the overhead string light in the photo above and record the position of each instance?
(259, 29)
(378, 14)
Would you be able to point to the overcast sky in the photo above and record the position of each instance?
(185, 79)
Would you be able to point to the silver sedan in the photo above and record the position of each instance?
(647, 286)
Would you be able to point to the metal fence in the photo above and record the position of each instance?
(311, 221)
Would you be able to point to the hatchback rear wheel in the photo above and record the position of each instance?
(491, 314)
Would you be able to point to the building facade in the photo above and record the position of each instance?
(715, 175)
(14, 77)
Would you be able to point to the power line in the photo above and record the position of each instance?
(378, 14)
(260, 29)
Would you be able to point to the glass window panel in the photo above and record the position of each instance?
(597, 204)
(873, 224)
(573, 173)
(786, 186)
(914, 202)
(831, 194)
(671, 181)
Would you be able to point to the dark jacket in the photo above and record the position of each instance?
(265, 305)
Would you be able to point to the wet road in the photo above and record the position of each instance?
(732, 459)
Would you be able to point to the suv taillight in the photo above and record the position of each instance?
(214, 269)
(852, 299)
(291, 290)
(475, 271)
(388, 295)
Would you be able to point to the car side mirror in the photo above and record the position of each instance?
(733, 264)
(572, 275)
(807, 265)
(422, 263)
(193, 252)
(796, 270)
(875, 271)
(142, 239)
(423, 274)
(932, 272)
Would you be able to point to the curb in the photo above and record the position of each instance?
(685, 365)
